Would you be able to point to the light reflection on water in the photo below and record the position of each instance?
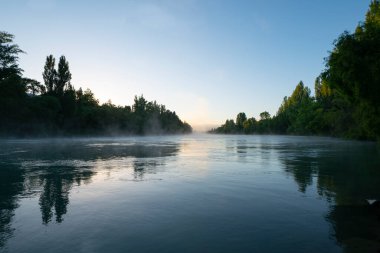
(195, 193)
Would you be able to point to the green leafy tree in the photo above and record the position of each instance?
(301, 94)
(264, 116)
(250, 126)
(347, 93)
(240, 119)
(352, 73)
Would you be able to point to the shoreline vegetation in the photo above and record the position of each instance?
(347, 93)
(56, 109)
(346, 101)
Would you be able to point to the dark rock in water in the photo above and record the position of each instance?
(374, 206)
(374, 203)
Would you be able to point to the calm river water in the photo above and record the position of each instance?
(193, 193)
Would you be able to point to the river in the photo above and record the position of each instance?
(190, 193)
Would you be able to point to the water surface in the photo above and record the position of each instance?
(194, 193)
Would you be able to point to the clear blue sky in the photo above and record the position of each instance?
(205, 59)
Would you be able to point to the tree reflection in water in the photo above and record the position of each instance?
(56, 185)
(52, 169)
(11, 178)
(142, 167)
(346, 175)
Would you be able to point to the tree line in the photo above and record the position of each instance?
(347, 93)
(56, 108)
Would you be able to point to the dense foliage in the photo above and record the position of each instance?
(28, 108)
(347, 93)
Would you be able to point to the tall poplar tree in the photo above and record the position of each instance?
(63, 76)
(50, 74)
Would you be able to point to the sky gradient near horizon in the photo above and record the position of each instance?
(205, 59)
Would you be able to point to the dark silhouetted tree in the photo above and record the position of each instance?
(50, 74)
(63, 76)
(8, 56)
(34, 87)
(28, 108)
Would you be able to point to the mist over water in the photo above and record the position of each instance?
(192, 193)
